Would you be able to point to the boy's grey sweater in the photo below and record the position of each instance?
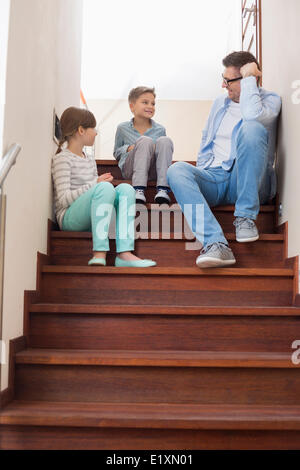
(72, 176)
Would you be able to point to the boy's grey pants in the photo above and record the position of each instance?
(149, 161)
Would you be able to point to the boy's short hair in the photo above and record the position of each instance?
(135, 93)
(239, 59)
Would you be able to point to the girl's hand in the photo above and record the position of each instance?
(131, 147)
(105, 177)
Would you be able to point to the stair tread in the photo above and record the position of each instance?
(114, 162)
(151, 415)
(170, 271)
(155, 358)
(229, 236)
(162, 309)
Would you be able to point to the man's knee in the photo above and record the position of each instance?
(177, 170)
(252, 130)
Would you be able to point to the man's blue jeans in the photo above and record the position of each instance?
(246, 185)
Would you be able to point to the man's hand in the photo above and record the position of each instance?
(250, 70)
(105, 177)
(130, 148)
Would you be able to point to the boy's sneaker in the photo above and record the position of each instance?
(245, 230)
(140, 197)
(162, 197)
(217, 254)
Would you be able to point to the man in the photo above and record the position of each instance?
(235, 161)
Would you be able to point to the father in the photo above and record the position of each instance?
(235, 161)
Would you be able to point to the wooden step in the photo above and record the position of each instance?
(167, 286)
(148, 415)
(224, 214)
(160, 216)
(157, 377)
(70, 426)
(163, 310)
(155, 328)
(75, 248)
(111, 166)
(170, 272)
(222, 359)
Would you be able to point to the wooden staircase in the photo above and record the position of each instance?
(171, 357)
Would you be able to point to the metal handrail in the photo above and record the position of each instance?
(8, 161)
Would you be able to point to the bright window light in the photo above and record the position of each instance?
(176, 46)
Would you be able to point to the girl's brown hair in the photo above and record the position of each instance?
(71, 119)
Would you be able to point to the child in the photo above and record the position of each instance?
(84, 200)
(142, 148)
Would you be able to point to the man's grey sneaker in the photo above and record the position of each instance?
(217, 254)
(162, 197)
(245, 230)
(140, 197)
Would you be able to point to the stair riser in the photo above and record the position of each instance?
(166, 253)
(151, 192)
(113, 169)
(121, 384)
(159, 221)
(146, 332)
(165, 290)
(70, 438)
(265, 221)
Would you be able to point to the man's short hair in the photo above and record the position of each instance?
(137, 92)
(239, 59)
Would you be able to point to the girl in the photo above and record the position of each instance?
(85, 201)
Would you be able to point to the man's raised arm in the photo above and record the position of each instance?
(263, 108)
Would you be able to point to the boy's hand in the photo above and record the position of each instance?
(130, 148)
(105, 177)
(250, 70)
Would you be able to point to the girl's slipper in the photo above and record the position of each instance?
(140, 263)
(97, 261)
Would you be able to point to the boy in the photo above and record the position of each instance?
(142, 148)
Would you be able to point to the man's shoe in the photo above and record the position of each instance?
(215, 255)
(140, 197)
(162, 197)
(245, 230)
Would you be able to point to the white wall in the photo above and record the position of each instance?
(43, 71)
(281, 70)
(4, 24)
(175, 46)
